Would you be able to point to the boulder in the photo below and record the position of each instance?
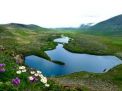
(19, 59)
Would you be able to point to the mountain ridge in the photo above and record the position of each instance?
(111, 26)
(20, 26)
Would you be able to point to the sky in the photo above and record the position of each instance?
(58, 13)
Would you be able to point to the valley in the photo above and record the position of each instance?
(16, 39)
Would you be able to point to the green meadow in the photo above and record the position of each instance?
(27, 41)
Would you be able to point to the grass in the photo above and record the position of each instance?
(25, 42)
(112, 77)
(28, 42)
(10, 73)
(98, 45)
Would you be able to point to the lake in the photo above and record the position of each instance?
(74, 62)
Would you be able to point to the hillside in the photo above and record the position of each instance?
(18, 26)
(18, 39)
(112, 26)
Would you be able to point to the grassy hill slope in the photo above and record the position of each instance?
(112, 26)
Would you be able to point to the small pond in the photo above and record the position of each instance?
(73, 62)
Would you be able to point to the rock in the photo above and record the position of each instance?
(19, 59)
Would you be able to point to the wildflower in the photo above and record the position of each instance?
(24, 70)
(21, 67)
(47, 85)
(40, 75)
(16, 81)
(32, 79)
(2, 70)
(36, 74)
(2, 67)
(44, 80)
(32, 72)
(39, 72)
(18, 72)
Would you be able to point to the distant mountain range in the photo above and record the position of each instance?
(86, 26)
(112, 26)
(17, 25)
(82, 27)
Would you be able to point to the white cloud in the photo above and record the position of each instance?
(58, 13)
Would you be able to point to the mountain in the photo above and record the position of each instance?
(85, 26)
(19, 26)
(13, 30)
(112, 26)
(30, 26)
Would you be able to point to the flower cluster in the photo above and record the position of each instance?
(21, 69)
(38, 75)
(2, 69)
(35, 75)
(16, 81)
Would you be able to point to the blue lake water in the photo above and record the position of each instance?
(62, 40)
(74, 62)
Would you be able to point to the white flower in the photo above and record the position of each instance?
(30, 78)
(36, 74)
(41, 80)
(18, 72)
(44, 80)
(40, 75)
(24, 70)
(39, 72)
(20, 67)
(47, 85)
(32, 72)
(23, 67)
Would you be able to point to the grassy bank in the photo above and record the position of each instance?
(25, 85)
(98, 45)
(110, 81)
(28, 42)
